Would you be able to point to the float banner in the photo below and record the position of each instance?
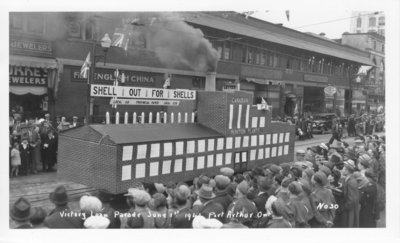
(141, 93)
(144, 102)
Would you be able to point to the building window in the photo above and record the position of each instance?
(383, 47)
(244, 54)
(372, 22)
(35, 23)
(16, 21)
(218, 47)
(250, 56)
(374, 45)
(89, 30)
(359, 22)
(257, 56)
(227, 51)
(74, 29)
(263, 60)
(381, 21)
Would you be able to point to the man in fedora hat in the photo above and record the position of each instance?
(208, 207)
(221, 195)
(62, 217)
(351, 195)
(21, 213)
(264, 185)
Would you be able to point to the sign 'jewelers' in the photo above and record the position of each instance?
(141, 93)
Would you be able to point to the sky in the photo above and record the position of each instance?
(310, 20)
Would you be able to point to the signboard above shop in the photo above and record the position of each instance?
(141, 93)
(27, 76)
(30, 47)
(104, 75)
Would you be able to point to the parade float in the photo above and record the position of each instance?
(229, 131)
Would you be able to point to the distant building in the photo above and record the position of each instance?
(364, 21)
(373, 83)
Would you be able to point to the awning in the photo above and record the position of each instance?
(23, 90)
(24, 61)
(263, 81)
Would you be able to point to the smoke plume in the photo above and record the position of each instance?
(178, 44)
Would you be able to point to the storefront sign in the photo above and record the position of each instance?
(330, 90)
(107, 76)
(30, 46)
(229, 87)
(27, 76)
(144, 102)
(139, 92)
(315, 78)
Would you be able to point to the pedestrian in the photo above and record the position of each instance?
(351, 196)
(221, 195)
(15, 160)
(25, 154)
(298, 207)
(141, 210)
(242, 201)
(322, 202)
(21, 213)
(35, 142)
(158, 204)
(62, 217)
(107, 199)
(208, 207)
(277, 220)
(368, 197)
(182, 215)
(49, 151)
(336, 131)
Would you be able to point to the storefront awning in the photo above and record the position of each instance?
(37, 62)
(23, 90)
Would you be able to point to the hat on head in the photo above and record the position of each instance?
(203, 179)
(329, 164)
(358, 141)
(158, 200)
(278, 207)
(324, 146)
(326, 170)
(313, 149)
(47, 115)
(96, 222)
(212, 183)
(345, 144)
(295, 188)
(350, 164)
(222, 181)
(226, 171)
(141, 197)
(320, 178)
(59, 196)
(285, 168)
(182, 192)
(89, 203)
(364, 157)
(206, 192)
(287, 181)
(74, 117)
(309, 172)
(131, 192)
(159, 187)
(243, 187)
(21, 210)
(264, 183)
(275, 169)
(300, 152)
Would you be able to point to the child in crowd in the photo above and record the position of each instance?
(15, 159)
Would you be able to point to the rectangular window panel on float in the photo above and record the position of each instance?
(275, 138)
(155, 150)
(220, 144)
(210, 160)
(268, 139)
(201, 146)
(261, 153)
(200, 162)
(141, 151)
(153, 169)
(273, 152)
(127, 152)
(179, 148)
(229, 143)
(281, 137)
(219, 160)
(254, 140)
(286, 149)
(126, 172)
(189, 164)
(210, 144)
(245, 141)
(178, 165)
(262, 121)
(140, 170)
(166, 167)
(267, 153)
(190, 147)
(228, 158)
(167, 149)
(238, 141)
(253, 153)
(287, 137)
(261, 139)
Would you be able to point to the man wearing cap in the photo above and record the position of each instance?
(142, 217)
(351, 195)
(221, 196)
(242, 201)
(182, 216)
(21, 213)
(264, 185)
(322, 202)
(278, 221)
(75, 122)
(301, 211)
(62, 217)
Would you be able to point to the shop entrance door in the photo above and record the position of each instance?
(32, 105)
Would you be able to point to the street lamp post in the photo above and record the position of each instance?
(105, 44)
